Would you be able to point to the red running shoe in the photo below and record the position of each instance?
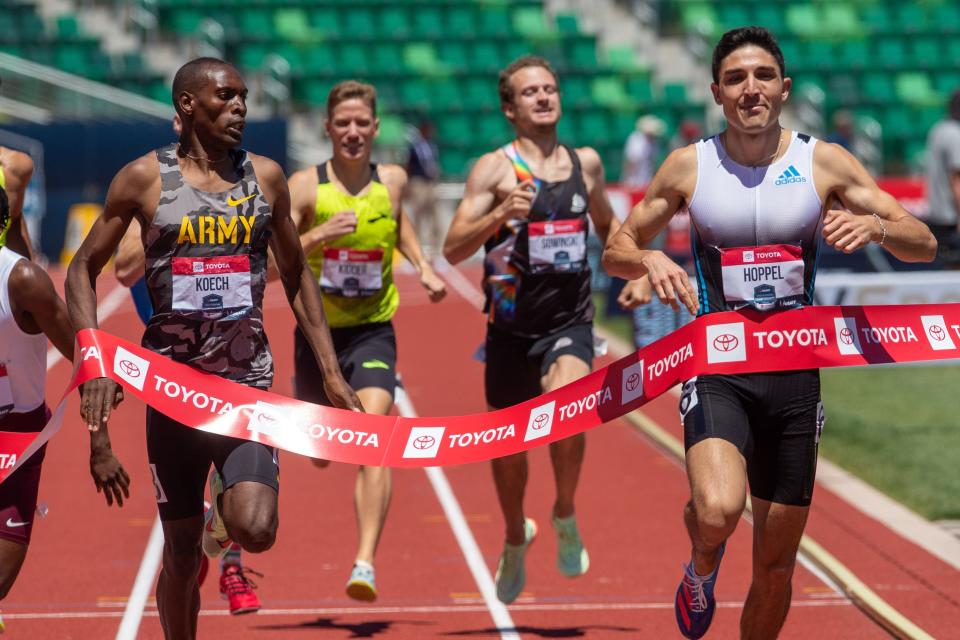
(237, 588)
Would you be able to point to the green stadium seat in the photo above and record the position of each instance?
(594, 128)
(915, 88)
(952, 52)
(485, 56)
(731, 15)
(771, 16)
(480, 92)
(394, 23)
(453, 54)
(71, 58)
(392, 131)
(853, 54)
(925, 53)
(897, 122)
(68, 28)
(293, 54)
(428, 22)
(292, 25)
(446, 95)
(877, 88)
(946, 82)
(318, 60)
(793, 54)
(359, 22)
(945, 17)
(804, 20)
(843, 90)
(492, 130)
(891, 53)
(255, 24)
(454, 128)
(675, 94)
(415, 94)
(186, 22)
(314, 92)
(422, 58)
(879, 19)
(609, 91)
(386, 58)
(839, 19)
(582, 55)
(622, 59)
(493, 21)
(31, 27)
(353, 59)
(699, 17)
(530, 23)
(566, 131)
(324, 20)
(461, 20)
(567, 24)
(251, 56)
(911, 17)
(640, 89)
(575, 92)
(819, 55)
(622, 125)
(454, 162)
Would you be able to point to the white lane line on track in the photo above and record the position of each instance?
(454, 609)
(137, 601)
(461, 530)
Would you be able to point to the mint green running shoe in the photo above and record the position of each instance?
(572, 557)
(511, 574)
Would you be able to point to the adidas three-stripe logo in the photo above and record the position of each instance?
(790, 176)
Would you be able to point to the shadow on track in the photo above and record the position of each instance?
(544, 632)
(368, 629)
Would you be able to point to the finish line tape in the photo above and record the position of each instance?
(718, 343)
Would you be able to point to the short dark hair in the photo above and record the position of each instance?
(193, 74)
(349, 90)
(741, 37)
(503, 83)
(953, 107)
(4, 209)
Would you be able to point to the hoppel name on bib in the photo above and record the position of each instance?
(765, 277)
(724, 343)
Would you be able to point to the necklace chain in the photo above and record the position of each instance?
(769, 158)
(200, 158)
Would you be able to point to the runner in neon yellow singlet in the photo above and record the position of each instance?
(349, 215)
(16, 168)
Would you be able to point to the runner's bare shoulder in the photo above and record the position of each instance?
(136, 182)
(16, 164)
(678, 173)
(269, 175)
(492, 172)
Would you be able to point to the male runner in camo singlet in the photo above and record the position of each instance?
(209, 210)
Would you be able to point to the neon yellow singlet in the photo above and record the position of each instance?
(3, 232)
(376, 229)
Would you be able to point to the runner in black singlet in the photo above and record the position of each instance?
(527, 205)
(760, 200)
(209, 210)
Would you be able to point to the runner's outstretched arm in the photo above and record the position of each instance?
(303, 291)
(477, 218)
(33, 293)
(625, 256)
(125, 199)
(874, 215)
(18, 169)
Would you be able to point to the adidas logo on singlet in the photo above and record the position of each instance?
(790, 176)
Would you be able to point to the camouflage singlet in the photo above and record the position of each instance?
(206, 269)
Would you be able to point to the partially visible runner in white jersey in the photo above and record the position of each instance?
(30, 312)
(754, 189)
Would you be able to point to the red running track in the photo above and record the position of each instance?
(84, 558)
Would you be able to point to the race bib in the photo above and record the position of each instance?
(352, 273)
(557, 246)
(211, 284)
(6, 393)
(765, 278)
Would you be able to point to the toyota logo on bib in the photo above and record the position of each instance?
(846, 336)
(130, 368)
(423, 442)
(725, 342)
(937, 333)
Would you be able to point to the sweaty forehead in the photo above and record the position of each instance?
(353, 108)
(748, 57)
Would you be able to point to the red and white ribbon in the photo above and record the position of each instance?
(730, 343)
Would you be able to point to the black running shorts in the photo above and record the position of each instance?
(367, 355)
(18, 493)
(774, 419)
(515, 364)
(180, 459)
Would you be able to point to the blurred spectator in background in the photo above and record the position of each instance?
(423, 169)
(843, 130)
(943, 183)
(641, 151)
(688, 133)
